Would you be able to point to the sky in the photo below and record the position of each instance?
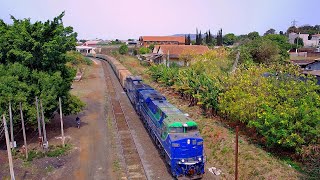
(124, 19)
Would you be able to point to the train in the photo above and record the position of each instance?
(174, 133)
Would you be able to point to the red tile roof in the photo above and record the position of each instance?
(180, 39)
(179, 49)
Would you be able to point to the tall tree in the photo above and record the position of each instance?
(229, 39)
(200, 38)
(33, 59)
(186, 40)
(298, 41)
(210, 38)
(197, 37)
(270, 31)
(253, 35)
(207, 37)
(219, 38)
(292, 29)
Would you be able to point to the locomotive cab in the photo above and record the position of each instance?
(186, 148)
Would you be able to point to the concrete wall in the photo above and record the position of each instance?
(313, 66)
(307, 43)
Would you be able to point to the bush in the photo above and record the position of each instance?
(151, 47)
(76, 59)
(277, 102)
(280, 104)
(55, 151)
(200, 83)
(123, 49)
(144, 50)
(135, 52)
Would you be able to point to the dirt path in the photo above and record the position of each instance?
(94, 157)
(94, 161)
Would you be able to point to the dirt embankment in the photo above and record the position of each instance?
(92, 155)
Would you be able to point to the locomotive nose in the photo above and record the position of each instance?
(191, 171)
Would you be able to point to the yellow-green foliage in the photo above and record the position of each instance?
(283, 106)
(280, 104)
(76, 59)
(200, 83)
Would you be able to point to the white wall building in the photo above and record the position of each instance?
(313, 42)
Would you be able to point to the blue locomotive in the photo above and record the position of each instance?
(175, 134)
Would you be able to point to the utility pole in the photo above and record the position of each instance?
(44, 127)
(297, 43)
(61, 120)
(236, 153)
(39, 124)
(294, 23)
(168, 59)
(8, 147)
(234, 67)
(24, 132)
(11, 126)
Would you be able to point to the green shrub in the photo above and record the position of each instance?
(123, 49)
(144, 50)
(55, 151)
(34, 155)
(282, 105)
(277, 102)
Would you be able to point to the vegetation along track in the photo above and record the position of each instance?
(134, 168)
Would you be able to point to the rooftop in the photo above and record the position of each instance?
(180, 49)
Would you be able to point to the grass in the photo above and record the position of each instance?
(55, 151)
(254, 162)
(116, 166)
(49, 169)
(33, 154)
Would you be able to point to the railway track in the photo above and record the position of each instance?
(134, 167)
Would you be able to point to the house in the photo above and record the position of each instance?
(85, 49)
(168, 54)
(316, 38)
(313, 42)
(162, 40)
(91, 43)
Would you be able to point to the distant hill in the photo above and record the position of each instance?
(192, 36)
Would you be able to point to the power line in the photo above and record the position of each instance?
(294, 23)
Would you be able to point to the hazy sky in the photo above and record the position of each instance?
(123, 19)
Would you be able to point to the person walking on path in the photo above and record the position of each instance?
(78, 121)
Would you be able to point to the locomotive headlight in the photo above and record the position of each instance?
(182, 160)
(199, 159)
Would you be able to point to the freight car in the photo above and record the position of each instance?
(175, 134)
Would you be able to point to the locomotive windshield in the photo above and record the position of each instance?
(183, 129)
(176, 130)
(191, 128)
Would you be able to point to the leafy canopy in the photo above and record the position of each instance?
(33, 63)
